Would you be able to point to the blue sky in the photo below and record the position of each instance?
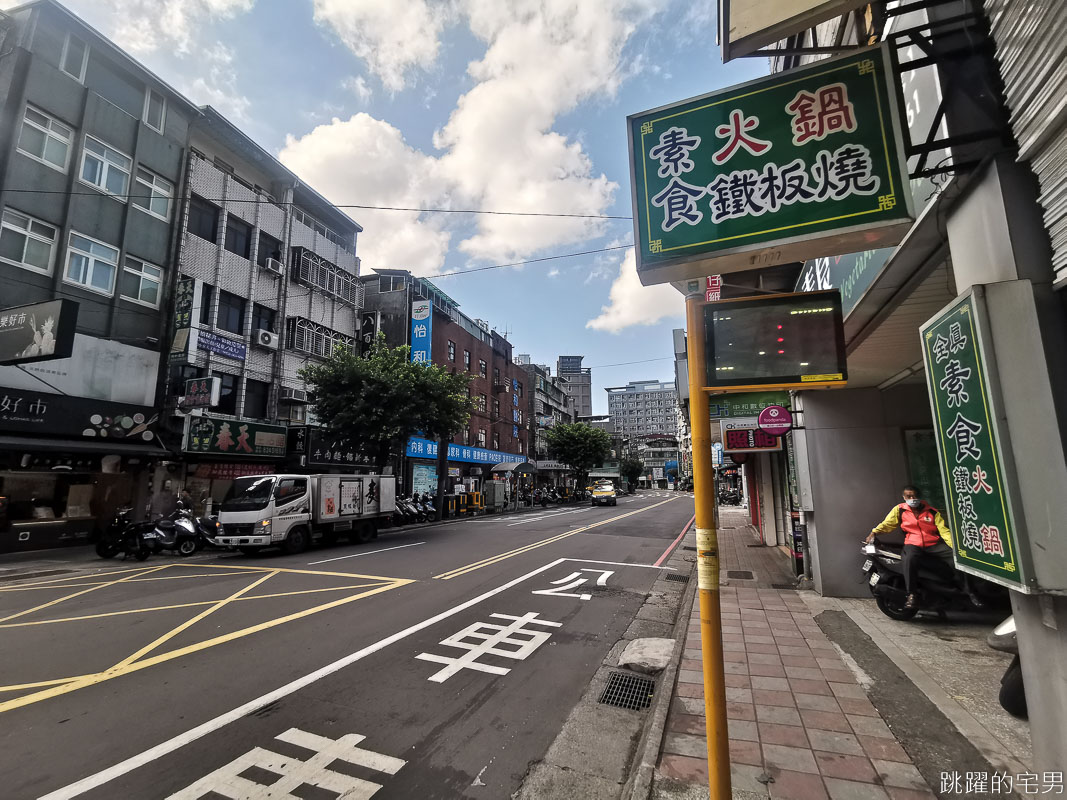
(492, 105)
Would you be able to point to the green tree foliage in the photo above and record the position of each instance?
(376, 402)
(631, 469)
(581, 447)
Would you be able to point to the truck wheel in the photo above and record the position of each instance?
(364, 533)
(296, 541)
(250, 551)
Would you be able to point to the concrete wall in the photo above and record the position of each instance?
(858, 465)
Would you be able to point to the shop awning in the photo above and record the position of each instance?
(99, 446)
(518, 467)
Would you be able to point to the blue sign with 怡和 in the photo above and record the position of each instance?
(220, 345)
(421, 328)
(424, 448)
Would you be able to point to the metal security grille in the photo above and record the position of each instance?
(309, 337)
(677, 578)
(739, 574)
(625, 690)
(312, 269)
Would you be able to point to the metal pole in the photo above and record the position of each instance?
(707, 558)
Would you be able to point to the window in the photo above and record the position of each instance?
(222, 165)
(318, 340)
(228, 394)
(314, 270)
(141, 282)
(496, 406)
(482, 366)
(290, 489)
(482, 400)
(496, 440)
(451, 351)
(45, 139)
(238, 236)
(467, 360)
(155, 110)
(256, 395)
(518, 388)
(520, 447)
(231, 314)
(207, 292)
(153, 194)
(466, 436)
(181, 373)
(91, 264)
(481, 437)
(203, 219)
(74, 58)
(388, 283)
(26, 242)
(263, 318)
(105, 168)
(269, 247)
(496, 374)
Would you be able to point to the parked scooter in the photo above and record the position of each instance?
(124, 536)
(884, 572)
(1012, 694)
(540, 496)
(183, 532)
(405, 514)
(411, 509)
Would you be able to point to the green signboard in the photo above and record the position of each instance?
(745, 404)
(978, 484)
(798, 165)
(234, 437)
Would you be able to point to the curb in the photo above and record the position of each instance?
(639, 786)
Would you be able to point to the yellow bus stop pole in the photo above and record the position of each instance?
(707, 557)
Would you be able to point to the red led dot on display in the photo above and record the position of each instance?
(779, 327)
(780, 339)
(780, 352)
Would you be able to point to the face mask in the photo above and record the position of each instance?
(914, 502)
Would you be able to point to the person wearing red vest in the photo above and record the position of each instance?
(925, 535)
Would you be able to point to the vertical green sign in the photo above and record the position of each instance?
(968, 440)
(797, 165)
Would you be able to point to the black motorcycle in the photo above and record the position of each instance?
(124, 536)
(1012, 693)
(936, 591)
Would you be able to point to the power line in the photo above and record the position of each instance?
(627, 363)
(529, 261)
(73, 193)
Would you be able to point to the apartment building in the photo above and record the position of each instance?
(579, 386)
(643, 408)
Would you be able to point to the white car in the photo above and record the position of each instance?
(604, 494)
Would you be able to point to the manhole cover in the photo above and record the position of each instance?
(625, 690)
(739, 574)
(688, 547)
(677, 578)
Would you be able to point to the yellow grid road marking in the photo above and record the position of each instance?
(76, 594)
(455, 573)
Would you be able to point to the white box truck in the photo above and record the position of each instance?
(291, 511)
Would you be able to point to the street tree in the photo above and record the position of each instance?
(581, 447)
(631, 469)
(376, 402)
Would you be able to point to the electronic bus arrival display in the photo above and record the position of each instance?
(793, 341)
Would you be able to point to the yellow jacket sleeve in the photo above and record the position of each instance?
(942, 528)
(891, 522)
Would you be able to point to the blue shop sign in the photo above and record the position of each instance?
(424, 448)
(220, 345)
(421, 331)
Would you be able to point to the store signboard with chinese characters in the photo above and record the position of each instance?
(743, 435)
(211, 342)
(979, 481)
(37, 332)
(421, 331)
(798, 165)
(234, 437)
(369, 325)
(747, 25)
(201, 393)
(424, 448)
(319, 448)
(184, 332)
(745, 404)
(45, 415)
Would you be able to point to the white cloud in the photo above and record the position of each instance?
(217, 84)
(358, 85)
(364, 160)
(392, 37)
(633, 304)
(552, 273)
(144, 26)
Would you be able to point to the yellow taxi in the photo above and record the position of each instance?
(603, 493)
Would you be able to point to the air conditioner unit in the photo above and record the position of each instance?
(293, 395)
(265, 339)
(273, 265)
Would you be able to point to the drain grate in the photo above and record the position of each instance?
(688, 547)
(739, 574)
(677, 578)
(625, 690)
(783, 586)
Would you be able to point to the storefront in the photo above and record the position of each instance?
(555, 473)
(468, 466)
(67, 464)
(216, 451)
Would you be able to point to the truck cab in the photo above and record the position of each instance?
(264, 510)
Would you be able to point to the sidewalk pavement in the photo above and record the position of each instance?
(801, 727)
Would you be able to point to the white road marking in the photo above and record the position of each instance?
(573, 581)
(293, 772)
(162, 749)
(357, 555)
(521, 645)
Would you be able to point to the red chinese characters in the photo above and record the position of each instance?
(735, 132)
(816, 116)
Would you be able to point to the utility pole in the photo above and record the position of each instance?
(707, 557)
